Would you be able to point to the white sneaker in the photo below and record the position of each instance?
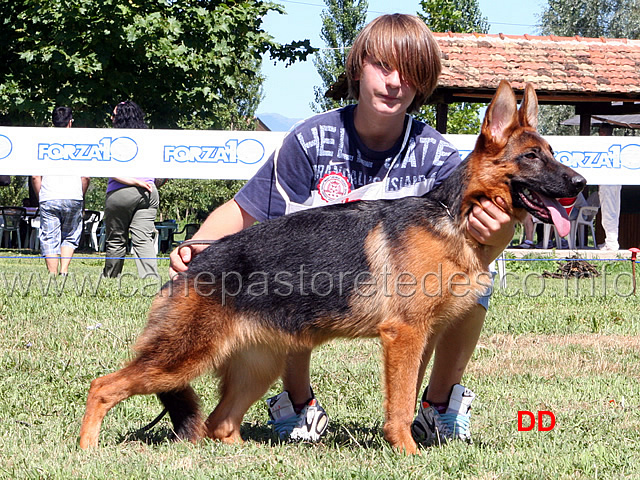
(308, 425)
(432, 428)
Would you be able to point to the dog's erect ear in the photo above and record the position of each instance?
(502, 115)
(528, 113)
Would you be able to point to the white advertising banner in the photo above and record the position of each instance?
(601, 160)
(109, 152)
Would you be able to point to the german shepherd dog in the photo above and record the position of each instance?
(346, 270)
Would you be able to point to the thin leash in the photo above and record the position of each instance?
(153, 422)
(188, 243)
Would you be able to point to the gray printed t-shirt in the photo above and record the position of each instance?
(323, 158)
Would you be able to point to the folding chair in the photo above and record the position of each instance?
(11, 219)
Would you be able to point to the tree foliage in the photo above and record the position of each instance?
(192, 200)
(550, 120)
(592, 18)
(341, 23)
(586, 18)
(461, 16)
(186, 62)
(13, 194)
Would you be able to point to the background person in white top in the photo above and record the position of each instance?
(61, 204)
(609, 205)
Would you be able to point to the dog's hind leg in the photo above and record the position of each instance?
(104, 393)
(402, 346)
(140, 377)
(184, 410)
(244, 379)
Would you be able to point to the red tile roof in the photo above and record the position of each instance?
(562, 69)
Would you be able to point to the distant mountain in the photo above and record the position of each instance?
(276, 122)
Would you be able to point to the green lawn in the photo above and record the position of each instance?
(571, 348)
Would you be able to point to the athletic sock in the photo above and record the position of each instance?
(440, 407)
(297, 407)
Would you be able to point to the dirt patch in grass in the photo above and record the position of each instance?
(557, 355)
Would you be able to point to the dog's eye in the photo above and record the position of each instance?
(531, 155)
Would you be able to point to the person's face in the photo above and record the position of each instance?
(383, 90)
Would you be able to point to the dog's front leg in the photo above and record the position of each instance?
(402, 348)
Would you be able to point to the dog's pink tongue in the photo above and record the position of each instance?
(558, 215)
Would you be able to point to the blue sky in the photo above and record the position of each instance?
(289, 91)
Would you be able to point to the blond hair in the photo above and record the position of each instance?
(399, 42)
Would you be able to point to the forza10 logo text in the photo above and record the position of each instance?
(122, 149)
(248, 151)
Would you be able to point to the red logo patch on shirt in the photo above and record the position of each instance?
(333, 185)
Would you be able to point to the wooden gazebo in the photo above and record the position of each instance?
(599, 76)
(596, 75)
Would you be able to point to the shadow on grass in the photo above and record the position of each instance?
(155, 436)
(339, 434)
(15, 252)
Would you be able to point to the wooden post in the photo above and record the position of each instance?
(585, 124)
(442, 112)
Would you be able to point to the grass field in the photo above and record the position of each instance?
(570, 348)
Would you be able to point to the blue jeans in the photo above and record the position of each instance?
(60, 225)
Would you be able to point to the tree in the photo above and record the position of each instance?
(586, 18)
(341, 23)
(592, 18)
(12, 194)
(186, 62)
(461, 16)
(192, 200)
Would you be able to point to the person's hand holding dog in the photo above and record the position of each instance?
(180, 258)
(227, 219)
(490, 225)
